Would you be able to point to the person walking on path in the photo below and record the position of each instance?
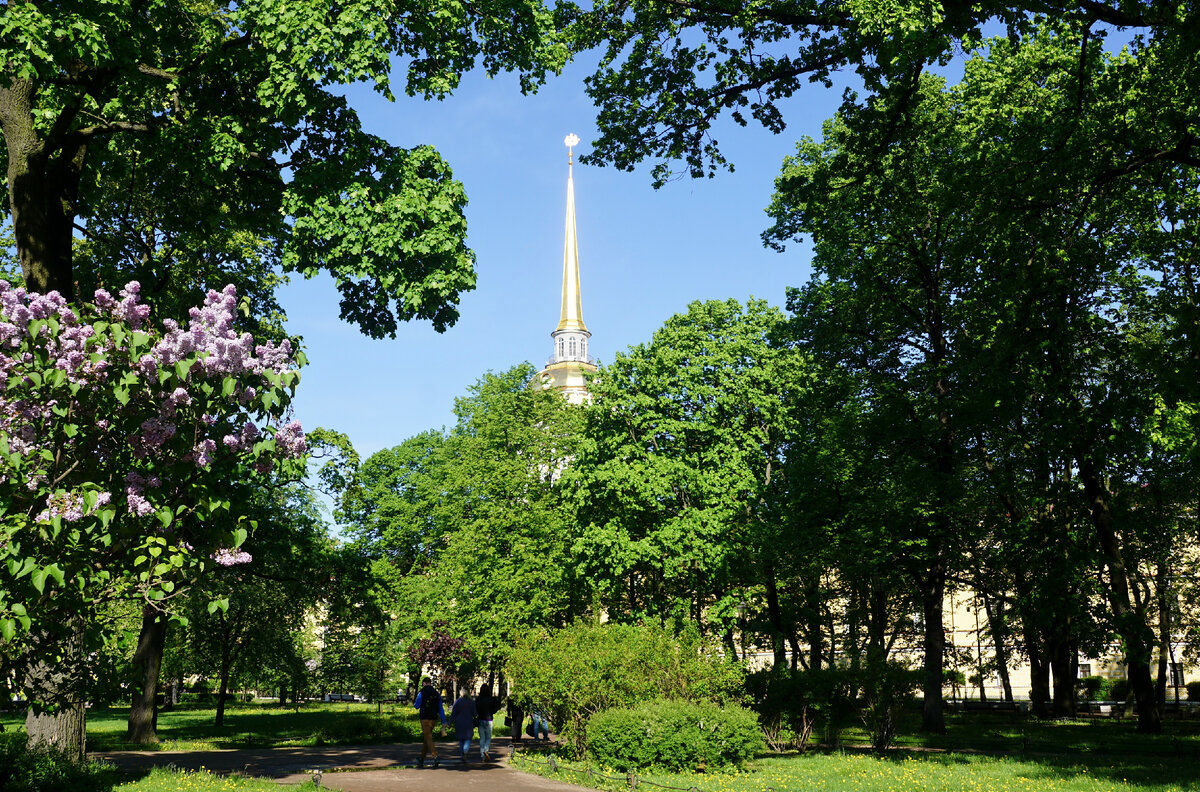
(462, 714)
(486, 707)
(516, 720)
(429, 706)
(540, 726)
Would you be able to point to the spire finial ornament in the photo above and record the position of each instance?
(571, 141)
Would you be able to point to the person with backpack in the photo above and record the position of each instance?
(429, 707)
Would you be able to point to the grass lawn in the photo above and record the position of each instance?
(1019, 754)
(183, 781)
(907, 771)
(254, 726)
(1023, 734)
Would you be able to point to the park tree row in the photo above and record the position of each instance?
(1040, 252)
(986, 385)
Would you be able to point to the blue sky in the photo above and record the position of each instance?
(644, 253)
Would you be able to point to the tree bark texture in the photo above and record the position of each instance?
(999, 633)
(1131, 625)
(143, 710)
(43, 183)
(933, 593)
(1064, 668)
(774, 615)
(57, 716)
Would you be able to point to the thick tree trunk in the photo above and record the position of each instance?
(999, 632)
(1039, 675)
(54, 680)
(226, 664)
(1130, 625)
(221, 693)
(1064, 669)
(933, 720)
(816, 639)
(42, 189)
(774, 615)
(1162, 593)
(143, 710)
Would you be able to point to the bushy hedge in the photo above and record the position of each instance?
(679, 736)
(575, 672)
(1095, 688)
(23, 769)
(1193, 690)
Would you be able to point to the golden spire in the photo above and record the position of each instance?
(572, 303)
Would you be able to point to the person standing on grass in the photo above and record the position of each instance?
(486, 707)
(429, 706)
(516, 719)
(462, 714)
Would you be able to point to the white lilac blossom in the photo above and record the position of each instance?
(227, 557)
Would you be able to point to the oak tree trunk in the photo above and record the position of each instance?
(143, 710)
(53, 686)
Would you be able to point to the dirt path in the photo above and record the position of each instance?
(354, 768)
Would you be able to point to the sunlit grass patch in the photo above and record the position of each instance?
(907, 772)
(313, 724)
(160, 780)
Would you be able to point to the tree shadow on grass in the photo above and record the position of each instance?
(261, 727)
(1178, 772)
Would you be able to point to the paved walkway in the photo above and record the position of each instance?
(355, 768)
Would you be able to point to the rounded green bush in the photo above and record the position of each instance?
(25, 769)
(678, 736)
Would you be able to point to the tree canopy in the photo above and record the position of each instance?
(194, 144)
(670, 71)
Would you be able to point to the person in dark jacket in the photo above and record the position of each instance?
(516, 719)
(462, 715)
(486, 707)
(429, 706)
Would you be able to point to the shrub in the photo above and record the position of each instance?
(1193, 690)
(677, 736)
(573, 673)
(798, 702)
(1119, 690)
(25, 769)
(1094, 688)
(887, 687)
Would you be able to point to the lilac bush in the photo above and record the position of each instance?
(118, 442)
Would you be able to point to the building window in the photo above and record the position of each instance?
(560, 347)
(1085, 670)
(572, 347)
(1177, 675)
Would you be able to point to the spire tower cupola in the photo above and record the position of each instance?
(570, 357)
